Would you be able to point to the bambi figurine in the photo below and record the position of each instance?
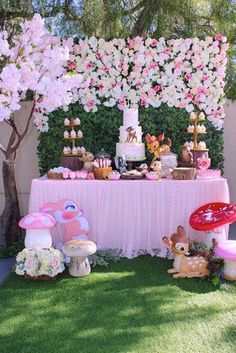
(154, 146)
(184, 266)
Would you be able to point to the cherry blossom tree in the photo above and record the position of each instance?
(34, 63)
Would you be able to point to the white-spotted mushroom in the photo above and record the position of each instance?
(37, 227)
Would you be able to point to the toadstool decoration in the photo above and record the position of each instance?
(79, 250)
(37, 227)
(227, 251)
(213, 219)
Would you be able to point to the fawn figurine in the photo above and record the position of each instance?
(154, 145)
(184, 267)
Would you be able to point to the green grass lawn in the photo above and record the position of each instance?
(131, 306)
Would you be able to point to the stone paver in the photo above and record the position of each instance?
(6, 266)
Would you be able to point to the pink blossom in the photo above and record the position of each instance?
(157, 88)
(219, 37)
(199, 66)
(154, 43)
(204, 77)
(90, 104)
(143, 100)
(89, 66)
(177, 72)
(153, 65)
(55, 262)
(130, 43)
(187, 76)
(188, 41)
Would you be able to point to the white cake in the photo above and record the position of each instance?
(130, 137)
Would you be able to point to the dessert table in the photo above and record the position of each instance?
(131, 216)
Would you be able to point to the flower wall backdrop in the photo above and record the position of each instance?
(184, 73)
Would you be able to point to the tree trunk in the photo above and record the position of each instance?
(11, 212)
(145, 19)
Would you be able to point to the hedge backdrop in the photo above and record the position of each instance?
(101, 130)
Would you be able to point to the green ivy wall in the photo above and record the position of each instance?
(101, 130)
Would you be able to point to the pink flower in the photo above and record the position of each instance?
(219, 37)
(130, 43)
(204, 77)
(90, 104)
(153, 65)
(177, 72)
(98, 55)
(105, 68)
(188, 41)
(55, 262)
(143, 100)
(154, 43)
(157, 88)
(187, 76)
(89, 66)
(199, 66)
(177, 63)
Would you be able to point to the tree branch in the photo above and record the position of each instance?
(134, 9)
(3, 150)
(146, 17)
(21, 136)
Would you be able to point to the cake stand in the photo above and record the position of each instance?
(196, 150)
(130, 162)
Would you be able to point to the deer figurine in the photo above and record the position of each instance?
(131, 136)
(184, 267)
(67, 212)
(154, 145)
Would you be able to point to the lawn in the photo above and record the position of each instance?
(131, 306)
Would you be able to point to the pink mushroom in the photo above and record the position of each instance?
(37, 227)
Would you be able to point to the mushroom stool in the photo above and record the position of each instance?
(79, 250)
(37, 227)
(227, 251)
(213, 219)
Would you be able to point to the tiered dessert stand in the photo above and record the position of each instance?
(197, 150)
(73, 158)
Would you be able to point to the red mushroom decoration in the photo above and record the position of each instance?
(37, 227)
(213, 219)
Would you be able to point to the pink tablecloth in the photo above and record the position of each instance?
(131, 216)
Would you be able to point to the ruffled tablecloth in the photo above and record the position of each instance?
(131, 216)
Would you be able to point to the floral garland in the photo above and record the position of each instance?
(38, 262)
(184, 73)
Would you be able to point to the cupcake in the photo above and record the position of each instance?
(82, 150)
(69, 150)
(202, 145)
(79, 149)
(74, 150)
(199, 129)
(77, 121)
(65, 150)
(203, 128)
(72, 133)
(190, 128)
(201, 116)
(192, 116)
(66, 135)
(80, 134)
(66, 122)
